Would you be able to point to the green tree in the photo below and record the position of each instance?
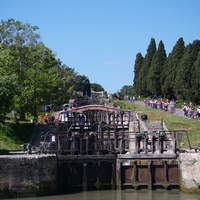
(16, 33)
(155, 71)
(171, 69)
(127, 90)
(137, 76)
(65, 86)
(184, 81)
(38, 73)
(144, 71)
(7, 84)
(96, 87)
(83, 85)
(196, 81)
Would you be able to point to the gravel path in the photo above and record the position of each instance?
(178, 111)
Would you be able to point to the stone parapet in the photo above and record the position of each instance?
(27, 175)
(190, 172)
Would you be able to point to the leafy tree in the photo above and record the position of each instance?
(38, 73)
(96, 87)
(15, 33)
(155, 71)
(137, 78)
(65, 86)
(7, 84)
(171, 67)
(17, 38)
(127, 90)
(196, 81)
(86, 88)
(184, 80)
(143, 74)
(83, 85)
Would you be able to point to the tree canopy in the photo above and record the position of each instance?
(96, 87)
(175, 76)
(30, 74)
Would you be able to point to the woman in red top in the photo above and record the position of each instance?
(46, 118)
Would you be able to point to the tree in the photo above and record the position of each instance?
(17, 38)
(7, 84)
(137, 78)
(171, 67)
(15, 33)
(184, 79)
(96, 87)
(83, 85)
(143, 73)
(196, 81)
(155, 71)
(65, 87)
(38, 73)
(127, 90)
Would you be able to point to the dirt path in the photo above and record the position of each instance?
(178, 111)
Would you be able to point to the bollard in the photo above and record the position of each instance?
(199, 145)
(28, 147)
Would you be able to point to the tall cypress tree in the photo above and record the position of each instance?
(184, 78)
(137, 78)
(171, 67)
(145, 67)
(196, 81)
(155, 71)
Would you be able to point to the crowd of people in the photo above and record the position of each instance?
(167, 105)
(189, 110)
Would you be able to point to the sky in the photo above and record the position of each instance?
(101, 38)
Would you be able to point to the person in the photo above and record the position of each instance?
(198, 113)
(46, 118)
(185, 110)
(52, 118)
(133, 99)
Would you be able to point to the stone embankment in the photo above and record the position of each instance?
(27, 175)
(189, 172)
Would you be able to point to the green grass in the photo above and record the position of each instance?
(13, 136)
(173, 122)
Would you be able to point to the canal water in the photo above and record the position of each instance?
(121, 195)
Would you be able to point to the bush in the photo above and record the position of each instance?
(12, 136)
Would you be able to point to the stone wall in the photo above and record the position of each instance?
(36, 175)
(190, 172)
(27, 175)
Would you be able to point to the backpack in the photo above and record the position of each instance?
(46, 108)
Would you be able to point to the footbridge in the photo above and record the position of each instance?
(99, 107)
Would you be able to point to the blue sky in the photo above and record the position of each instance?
(100, 38)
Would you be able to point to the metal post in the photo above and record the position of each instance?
(113, 178)
(149, 163)
(84, 176)
(118, 173)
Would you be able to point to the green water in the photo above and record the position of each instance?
(123, 194)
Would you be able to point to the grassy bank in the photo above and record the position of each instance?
(13, 136)
(172, 121)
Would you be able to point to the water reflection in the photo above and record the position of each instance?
(122, 195)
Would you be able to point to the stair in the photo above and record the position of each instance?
(38, 135)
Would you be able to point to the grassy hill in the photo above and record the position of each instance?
(172, 121)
